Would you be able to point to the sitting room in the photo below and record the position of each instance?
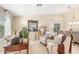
(39, 29)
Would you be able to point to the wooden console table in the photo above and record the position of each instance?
(17, 47)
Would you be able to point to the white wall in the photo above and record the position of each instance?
(56, 21)
(47, 20)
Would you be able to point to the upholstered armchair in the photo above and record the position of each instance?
(67, 43)
(64, 46)
(53, 45)
(75, 37)
(45, 38)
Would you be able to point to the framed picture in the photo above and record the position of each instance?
(56, 27)
(32, 25)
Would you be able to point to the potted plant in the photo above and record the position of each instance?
(24, 34)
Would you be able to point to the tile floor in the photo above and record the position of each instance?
(75, 49)
(36, 48)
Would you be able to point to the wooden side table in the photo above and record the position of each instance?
(17, 47)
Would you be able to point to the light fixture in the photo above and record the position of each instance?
(74, 23)
(73, 17)
(38, 5)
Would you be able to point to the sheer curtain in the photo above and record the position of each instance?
(2, 26)
(7, 25)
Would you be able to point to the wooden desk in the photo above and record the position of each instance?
(17, 47)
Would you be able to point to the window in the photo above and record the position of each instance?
(2, 26)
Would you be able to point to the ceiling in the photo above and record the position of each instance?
(32, 9)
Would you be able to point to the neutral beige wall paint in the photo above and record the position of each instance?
(67, 17)
(19, 21)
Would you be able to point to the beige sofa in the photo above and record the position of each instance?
(4, 43)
